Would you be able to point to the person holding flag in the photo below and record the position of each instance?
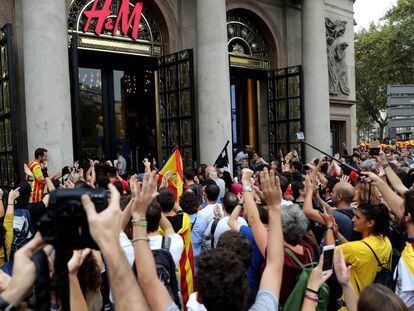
(172, 173)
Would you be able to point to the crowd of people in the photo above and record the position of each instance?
(258, 239)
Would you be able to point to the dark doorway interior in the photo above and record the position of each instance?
(245, 90)
(117, 107)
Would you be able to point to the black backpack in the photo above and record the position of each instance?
(166, 270)
(385, 275)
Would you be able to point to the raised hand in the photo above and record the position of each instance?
(133, 183)
(270, 185)
(13, 195)
(77, 259)
(145, 193)
(372, 178)
(246, 176)
(105, 226)
(318, 276)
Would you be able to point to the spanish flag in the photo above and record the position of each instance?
(174, 164)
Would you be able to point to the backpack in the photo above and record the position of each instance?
(23, 231)
(384, 276)
(166, 270)
(295, 299)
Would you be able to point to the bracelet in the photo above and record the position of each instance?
(329, 228)
(385, 165)
(140, 238)
(311, 298)
(312, 291)
(139, 222)
(340, 237)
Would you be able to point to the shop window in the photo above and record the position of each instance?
(8, 131)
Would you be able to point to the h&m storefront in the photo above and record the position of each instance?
(139, 77)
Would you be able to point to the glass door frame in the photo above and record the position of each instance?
(108, 98)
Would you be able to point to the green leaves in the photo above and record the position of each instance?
(384, 55)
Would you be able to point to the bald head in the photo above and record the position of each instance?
(343, 192)
(211, 172)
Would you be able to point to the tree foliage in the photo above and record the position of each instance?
(384, 55)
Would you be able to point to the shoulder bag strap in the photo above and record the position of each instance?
(376, 257)
(292, 255)
(165, 243)
(192, 225)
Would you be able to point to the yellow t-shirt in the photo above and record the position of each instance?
(8, 238)
(363, 262)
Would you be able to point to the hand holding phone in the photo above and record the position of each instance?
(328, 254)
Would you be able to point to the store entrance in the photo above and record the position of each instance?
(117, 107)
(245, 89)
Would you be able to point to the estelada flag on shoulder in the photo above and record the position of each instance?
(174, 164)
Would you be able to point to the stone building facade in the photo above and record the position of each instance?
(87, 81)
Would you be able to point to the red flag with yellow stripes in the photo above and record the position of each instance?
(174, 164)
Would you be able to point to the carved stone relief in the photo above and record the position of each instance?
(336, 49)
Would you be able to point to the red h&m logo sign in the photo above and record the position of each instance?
(124, 20)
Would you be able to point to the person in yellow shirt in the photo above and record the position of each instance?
(372, 221)
(6, 235)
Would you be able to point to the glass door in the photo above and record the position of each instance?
(135, 116)
(91, 114)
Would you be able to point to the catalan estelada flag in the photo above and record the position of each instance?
(174, 164)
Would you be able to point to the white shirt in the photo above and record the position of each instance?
(405, 284)
(222, 226)
(176, 246)
(208, 212)
(122, 164)
(240, 156)
(222, 186)
(193, 304)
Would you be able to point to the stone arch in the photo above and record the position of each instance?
(270, 32)
(6, 12)
(168, 24)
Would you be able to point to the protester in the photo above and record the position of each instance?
(255, 243)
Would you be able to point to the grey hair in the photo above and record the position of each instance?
(294, 223)
(367, 165)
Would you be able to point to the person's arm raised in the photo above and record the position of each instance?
(258, 229)
(343, 273)
(126, 213)
(394, 201)
(272, 274)
(315, 281)
(105, 228)
(155, 292)
(233, 223)
(393, 178)
(76, 298)
(166, 226)
(308, 209)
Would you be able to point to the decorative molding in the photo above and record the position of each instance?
(272, 35)
(341, 102)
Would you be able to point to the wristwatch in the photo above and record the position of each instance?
(247, 189)
(5, 306)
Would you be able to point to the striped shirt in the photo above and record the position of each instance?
(38, 184)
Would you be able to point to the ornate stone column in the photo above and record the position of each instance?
(214, 110)
(315, 76)
(46, 75)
